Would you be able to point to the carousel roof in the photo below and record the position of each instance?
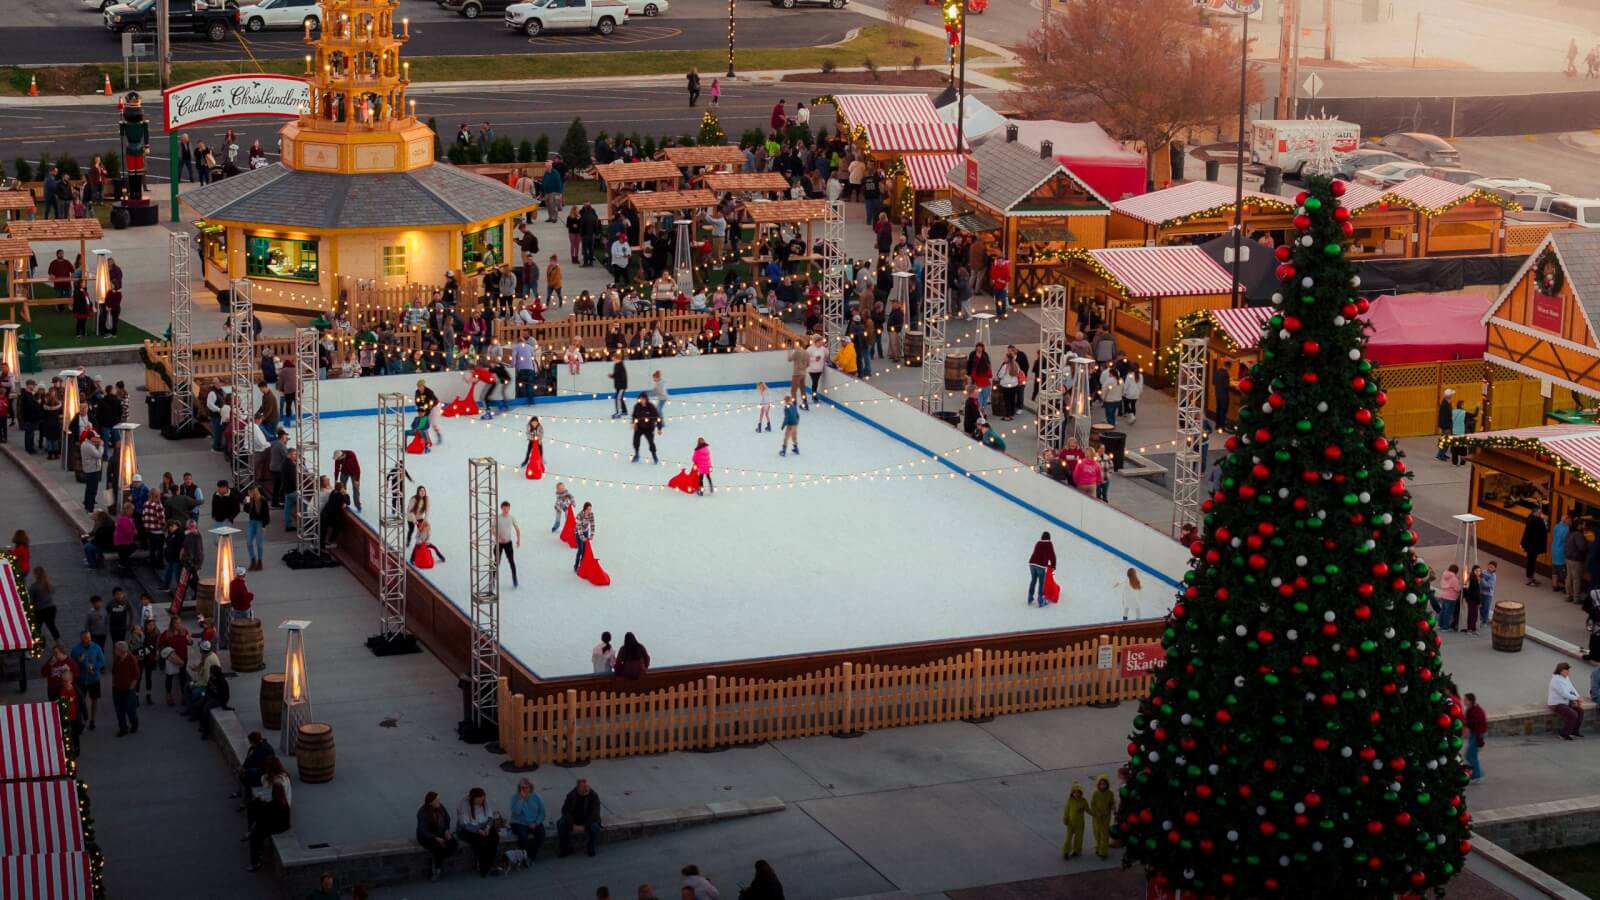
(434, 195)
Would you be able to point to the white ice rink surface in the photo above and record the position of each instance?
(791, 555)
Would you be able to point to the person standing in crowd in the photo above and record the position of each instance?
(268, 810)
(434, 834)
(583, 532)
(603, 657)
(241, 600)
(580, 812)
(1563, 701)
(258, 513)
(1072, 817)
(1477, 732)
(816, 364)
(980, 373)
(1110, 394)
(1535, 537)
(508, 536)
(1221, 385)
(1472, 598)
(1040, 561)
(1558, 556)
(694, 85)
(119, 615)
(91, 663)
(765, 885)
(1444, 422)
(1450, 588)
(43, 595)
(527, 819)
(97, 623)
(91, 453)
(1575, 550)
(347, 472)
(1101, 805)
(1087, 474)
(125, 688)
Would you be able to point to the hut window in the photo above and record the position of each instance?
(394, 261)
(482, 248)
(286, 259)
(1510, 494)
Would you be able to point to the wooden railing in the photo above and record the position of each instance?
(755, 331)
(576, 725)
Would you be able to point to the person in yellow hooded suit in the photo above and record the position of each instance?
(1100, 807)
(1072, 817)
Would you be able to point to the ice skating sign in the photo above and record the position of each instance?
(231, 96)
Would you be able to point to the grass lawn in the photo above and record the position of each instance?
(55, 329)
(1578, 867)
(880, 44)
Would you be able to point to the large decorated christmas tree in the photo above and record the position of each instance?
(1302, 740)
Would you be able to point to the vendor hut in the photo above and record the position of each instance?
(1424, 344)
(1023, 205)
(1515, 471)
(893, 129)
(1142, 293)
(1193, 213)
(1452, 219)
(1543, 354)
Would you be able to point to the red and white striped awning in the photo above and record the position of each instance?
(1430, 193)
(1164, 271)
(46, 876)
(1161, 207)
(40, 817)
(927, 170)
(14, 631)
(31, 742)
(1360, 196)
(1241, 326)
(897, 123)
(915, 137)
(1576, 445)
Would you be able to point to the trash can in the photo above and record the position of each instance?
(158, 404)
(224, 301)
(1213, 170)
(1116, 444)
(949, 418)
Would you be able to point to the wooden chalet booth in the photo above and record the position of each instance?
(1043, 211)
(787, 217)
(33, 232)
(925, 180)
(1143, 293)
(1422, 345)
(1382, 229)
(1543, 353)
(621, 178)
(1517, 470)
(1452, 219)
(1191, 213)
(697, 162)
(745, 184)
(893, 130)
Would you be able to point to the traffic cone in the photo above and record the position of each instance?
(107, 90)
(33, 86)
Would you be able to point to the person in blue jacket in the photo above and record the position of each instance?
(553, 187)
(527, 818)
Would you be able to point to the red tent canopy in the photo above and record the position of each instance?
(40, 817)
(1414, 328)
(1084, 147)
(31, 743)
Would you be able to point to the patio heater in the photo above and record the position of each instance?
(127, 461)
(1078, 403)
(8, 348)
(296, 696)
(69, 411)
(99, 285)
(683, 256)
(223, 575)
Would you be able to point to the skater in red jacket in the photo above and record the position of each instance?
(1042, 560)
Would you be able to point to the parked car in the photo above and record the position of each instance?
(475, 8)
(215, 22)
(281, 14)
(539, 16)
(647, 8)
(1511, 184)
(1427, 148)
(834, 4)
(1453, 174)
(1351, 163)
(1388, 174)
(1583, 210)
(1537, 201)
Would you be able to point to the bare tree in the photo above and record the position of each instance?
(900, 13)
(1147, 69)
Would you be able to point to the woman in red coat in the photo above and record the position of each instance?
(1042, 560)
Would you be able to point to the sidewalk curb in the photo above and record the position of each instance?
(1550, 641)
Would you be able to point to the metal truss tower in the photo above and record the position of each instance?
(242, 369)
(1191, 412)
(1051, 368)
(833, 281)
(392, 515)
(182, 343)
(483, 505)
(935, 313)
(308, 442)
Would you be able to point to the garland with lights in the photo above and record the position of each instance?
(97, 859)
(1547, 453)
(1226, 209)
(1473, 196)
(37, 648)
(1303, 741)
(1195, 324)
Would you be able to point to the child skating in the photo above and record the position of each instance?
(1072, 817)
(702, 467)
(791, 426)
(535, 439)
(764, 405)
(1100, 807)
(563, 503)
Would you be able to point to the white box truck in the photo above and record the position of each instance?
(1290, 143)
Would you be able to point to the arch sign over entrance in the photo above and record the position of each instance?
(228, 97)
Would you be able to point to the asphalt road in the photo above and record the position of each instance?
(73, 32)
(653, 109)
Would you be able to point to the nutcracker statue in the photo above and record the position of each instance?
(135, 144)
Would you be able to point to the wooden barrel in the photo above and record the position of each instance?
(955, 371)
(244, 645)
(272, 701)
(205, 600)
(313, 752)
(1509, 625)
(913, 349)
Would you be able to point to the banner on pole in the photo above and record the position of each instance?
(232, 96)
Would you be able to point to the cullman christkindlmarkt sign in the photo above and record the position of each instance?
(228, 96)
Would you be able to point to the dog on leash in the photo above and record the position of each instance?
(516, 859)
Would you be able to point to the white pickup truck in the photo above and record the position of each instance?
(539, 16)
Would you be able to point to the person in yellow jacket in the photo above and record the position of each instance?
(1100, 807)
(845, 359)
(1072, 817)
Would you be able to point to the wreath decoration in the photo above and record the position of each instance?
(1547, 274)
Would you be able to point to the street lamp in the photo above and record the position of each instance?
(731, 6)
(1245, 8)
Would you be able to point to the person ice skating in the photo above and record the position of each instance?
(799, 360)
(816, 363)
(535, 438)
(1130, 595)
(427, 404)
(619, 385)
(645, 422)
(416, 511)
(702, 467)
(604, 656)
(508, 534)
(1100, 807)
(791, 426)
(584, 533)
(564, 502)
(763, 406)
(1072, 817)
(1042, 560)
(658, 394)
(426, 551)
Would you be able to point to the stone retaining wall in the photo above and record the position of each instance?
(1542, 826)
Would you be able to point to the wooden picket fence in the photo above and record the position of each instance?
(575, 725)
(756, 331)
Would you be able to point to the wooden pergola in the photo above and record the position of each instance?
(622, 178)
(670, 201)
(745, 182)
(14, 255)
(695, 160)
(766, 214)
(47, 230)
(13, 203)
